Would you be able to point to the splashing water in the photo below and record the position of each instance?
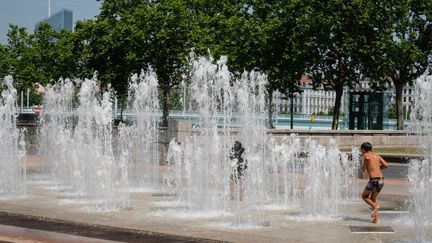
(229, 109)
(285, 161)
(96, 172)
(322, 177)
(420, 171)
(12, 145)
(330, 178)
(143, 98)
(279, 173)
(77, 145)
(55, 133)
(350, 173)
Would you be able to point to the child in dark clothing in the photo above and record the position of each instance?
(238, 169)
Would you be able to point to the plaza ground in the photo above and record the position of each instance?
(151, 214)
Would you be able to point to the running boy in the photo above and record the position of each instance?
(373, 164)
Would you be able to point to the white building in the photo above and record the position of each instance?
(319, 100)
(310, 101)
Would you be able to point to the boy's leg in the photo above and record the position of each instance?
(365, 195)
(241, 191)
(373, 198)
(231, 187)
(376, 208)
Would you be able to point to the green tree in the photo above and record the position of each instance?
(6, 61)
(263, 35)
(336, 30)
(129, 35)
(399, 47)
(104, 46)
(392, 111)
(40, 57)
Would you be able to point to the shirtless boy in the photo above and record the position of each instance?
(373, 164)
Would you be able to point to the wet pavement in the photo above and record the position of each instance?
(48, 215)
(152, 217)
(26, 235)
(23, 228)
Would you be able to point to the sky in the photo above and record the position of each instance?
(27, 13)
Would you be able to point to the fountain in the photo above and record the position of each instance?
(313, 177)
(420, 171)
(286, 189)
(76, 146)
(12, 145)
(281, 173)
(143, 99)
(229, 109)
(330, 178)
(55, 133)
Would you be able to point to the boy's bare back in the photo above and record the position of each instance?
(373, 164)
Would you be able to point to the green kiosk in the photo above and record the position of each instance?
(366, 110)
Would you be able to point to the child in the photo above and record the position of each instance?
(373, 164)
(238, 168)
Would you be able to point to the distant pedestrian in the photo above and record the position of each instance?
(373, 164)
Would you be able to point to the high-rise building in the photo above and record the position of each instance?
(63, 19)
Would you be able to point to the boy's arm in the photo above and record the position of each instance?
(383, 163)
(364, 164)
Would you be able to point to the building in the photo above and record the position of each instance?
(310, 101)
(63, 19)
(314, 101)
(407, 94)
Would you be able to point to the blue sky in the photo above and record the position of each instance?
(27, 13)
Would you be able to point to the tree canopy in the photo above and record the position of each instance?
(400, 47)
(336, 43)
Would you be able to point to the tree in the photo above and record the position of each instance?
(40, 57)
(6, 61)
(263, 35)
(336, 30)
(392, 111)
(129, 35)
(399, 47)
(103, 48)
(234, 29)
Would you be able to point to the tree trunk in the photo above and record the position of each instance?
(291, 95)
(399, 104)
(165, 105)
(270, 108)
(339, 93)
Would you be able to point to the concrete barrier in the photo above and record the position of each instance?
(181, 129)
(348, 138)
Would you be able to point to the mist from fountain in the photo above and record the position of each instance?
(55, 133)
(229, 109)
(12, 145)
(420, 171)
(285, 189)
(313, 176)
(281, 173)
(77, 145)
(144, 102)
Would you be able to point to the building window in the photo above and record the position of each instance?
(404, 99)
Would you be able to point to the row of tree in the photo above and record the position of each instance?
(336, 42)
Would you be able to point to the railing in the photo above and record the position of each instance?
(281, 122)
